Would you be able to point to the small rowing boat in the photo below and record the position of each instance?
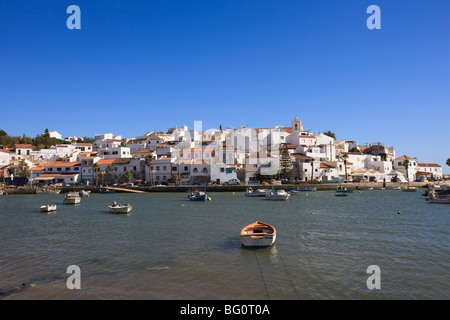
(258, 234)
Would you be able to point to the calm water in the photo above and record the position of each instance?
(171, 248)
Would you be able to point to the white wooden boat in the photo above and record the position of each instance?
(255, 193)
(258, 234)
(72, 198)
(279, 194)
(48, 208)
(120, 208)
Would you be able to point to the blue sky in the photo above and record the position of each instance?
(138, 66)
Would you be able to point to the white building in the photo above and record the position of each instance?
(428, 170)
(409, 174)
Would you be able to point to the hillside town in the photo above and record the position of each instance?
(183, 156)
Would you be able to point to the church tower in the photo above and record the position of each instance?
(297, 124)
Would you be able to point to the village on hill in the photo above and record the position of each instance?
(183, 156)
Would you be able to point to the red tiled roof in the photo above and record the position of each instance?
(435, 165)
(404, 157)
(23, 146)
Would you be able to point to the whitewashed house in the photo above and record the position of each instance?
(409, 174)
(427, 170)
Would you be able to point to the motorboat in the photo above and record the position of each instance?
(255, 193)
(196, 195)
(410, 189)
(434, 197)
(72, 198)
(84, 193)
(279, 194)
(364, 188)
(48, 208)
(258, 234)
(120, 208)
(341, 194)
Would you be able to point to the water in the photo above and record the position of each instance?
(172, 248)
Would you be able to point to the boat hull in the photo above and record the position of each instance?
(120, 209)
(49, 208)
(258, 241)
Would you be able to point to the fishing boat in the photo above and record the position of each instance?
(258, 234)
(255, 193)
(72, 198)
(196, 195)
(120, 208)
(341, 194)
(279, 194)
(48, 208)
(342, 191)
(84, 193)
(434, 197)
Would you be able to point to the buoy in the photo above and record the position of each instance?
(398, 212)
(182, 205)
(233, 192)
(313, 213)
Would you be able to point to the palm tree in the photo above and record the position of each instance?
(345, 157)
(312, 168)
(96, 167)
(405, 163)
(148, 163)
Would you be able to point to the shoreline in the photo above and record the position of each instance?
(229, 188)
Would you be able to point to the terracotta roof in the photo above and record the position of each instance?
(49, 175)
(428, 165)
(106, 161)
(114, 161)
(404, 157)
(23, 146)
(62, 164)
(299, 156)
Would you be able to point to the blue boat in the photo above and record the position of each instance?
(106, 191)
(196, 195)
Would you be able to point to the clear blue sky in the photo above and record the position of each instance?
(138, 66)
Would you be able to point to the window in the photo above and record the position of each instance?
(222, 169)
(76, 168)
(67, 169)
(157, 168)
(58, 169)
(195, 170)
(124, 169)
(186, 168)
(164, 168)
(174, 168)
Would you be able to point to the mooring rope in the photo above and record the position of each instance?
(262, 276)
(292, 282)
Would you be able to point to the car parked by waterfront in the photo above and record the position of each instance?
(234, 181)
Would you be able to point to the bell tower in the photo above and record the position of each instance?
(297, 124)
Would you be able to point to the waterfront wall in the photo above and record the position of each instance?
(230, 188)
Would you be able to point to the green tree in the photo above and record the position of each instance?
(128, 176)
(330, 134)
(345, 157)
(448, 162)
(23, 169)
(148, 163)
(286, 165)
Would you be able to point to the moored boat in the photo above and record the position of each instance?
(106, 190)
(255, 193)
(279, 194)
(258, 234)
(307, 189)
(410, 189)
(72, 198)
(120, 208)
(196, 195)
(434, 197)
(84, 193)
(48, 208)
(48, 191)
